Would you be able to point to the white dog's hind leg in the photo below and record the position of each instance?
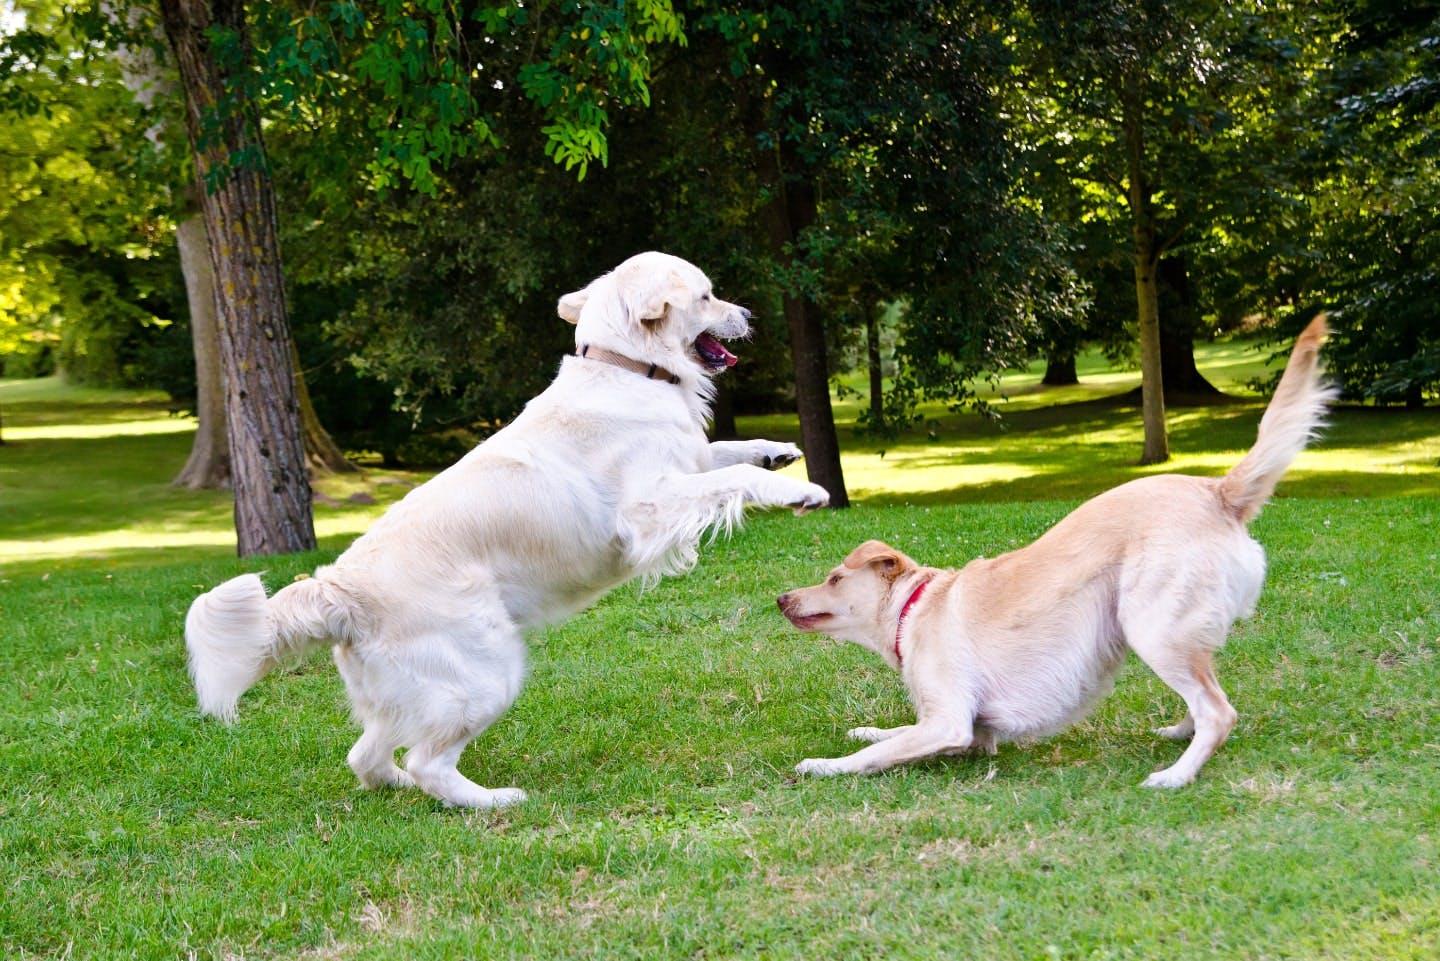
(373, 759)
(433, 766)
(373, 756)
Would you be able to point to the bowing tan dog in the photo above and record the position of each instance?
(1024, 644)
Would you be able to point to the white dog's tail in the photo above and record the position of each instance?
(1295, 413)
(235, 634)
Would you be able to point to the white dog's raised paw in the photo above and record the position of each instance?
(783, 455)
(818, 767)
(815, 498)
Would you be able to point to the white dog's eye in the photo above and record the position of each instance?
(704, 296)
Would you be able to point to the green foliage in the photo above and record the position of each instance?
(1377, 207)
(85, 260)
(413, 86)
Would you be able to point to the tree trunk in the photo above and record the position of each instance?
(1060, 369)
(322, 454)
(790, 210)
(1147, 288)
(267, 452)
(722, 419)
(877, 373)
(208, 466)
(1179, 321)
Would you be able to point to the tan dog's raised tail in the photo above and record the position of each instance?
(1024, 644)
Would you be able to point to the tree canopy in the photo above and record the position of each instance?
(999, 182)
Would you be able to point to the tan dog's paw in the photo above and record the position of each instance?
(869, 735)
(819, 766)
(1167, 779)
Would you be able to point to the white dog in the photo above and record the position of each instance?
(605, 476)
(1024, 644)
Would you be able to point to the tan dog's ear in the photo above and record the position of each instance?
(571, 304)
(885, 559)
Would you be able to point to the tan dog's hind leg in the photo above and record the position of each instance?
(1210, 716)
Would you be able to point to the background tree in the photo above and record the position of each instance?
(1376, 204)
(1163, 129)
(83, 260)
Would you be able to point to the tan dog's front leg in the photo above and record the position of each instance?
(914, 743)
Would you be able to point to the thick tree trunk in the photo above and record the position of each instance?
(267, 453)
(1060, 369)
(208, 466)
(1179, 320)
(1147, 288)
(322, 454)
(790, 210)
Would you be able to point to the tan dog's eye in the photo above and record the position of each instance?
(834, 579)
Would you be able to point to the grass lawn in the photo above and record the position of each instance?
(659, 730)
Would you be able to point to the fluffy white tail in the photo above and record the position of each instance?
(235, 635)
(1295, 413)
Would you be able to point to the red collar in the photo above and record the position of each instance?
(900, 624)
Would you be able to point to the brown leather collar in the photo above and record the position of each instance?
(651, 371)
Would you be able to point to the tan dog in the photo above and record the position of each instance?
(1024, 644)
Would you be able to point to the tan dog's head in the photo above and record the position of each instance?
(856, 602)
(660, 309)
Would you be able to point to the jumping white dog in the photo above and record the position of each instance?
(1024, 644)
(605, 476)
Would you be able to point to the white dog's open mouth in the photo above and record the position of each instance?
(713, 355)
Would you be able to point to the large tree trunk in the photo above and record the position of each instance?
(322, 454)
(208, 465)
(1060, 368)
(1147, 288)
(1179, 320)
(267, 453)
(790, 210)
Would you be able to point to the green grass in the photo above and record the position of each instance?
(658, 732)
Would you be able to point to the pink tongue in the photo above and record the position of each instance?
(713, 348)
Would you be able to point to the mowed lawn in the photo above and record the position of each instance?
(658, 732)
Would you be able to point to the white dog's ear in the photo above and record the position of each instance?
(571, 304)
(650, 305)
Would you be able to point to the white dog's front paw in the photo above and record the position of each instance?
(819, 766)
(813, 498)
(777, 455)
(867, 734)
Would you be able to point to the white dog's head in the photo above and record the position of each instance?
(658, 309)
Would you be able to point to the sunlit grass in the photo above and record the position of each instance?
(658, 731)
